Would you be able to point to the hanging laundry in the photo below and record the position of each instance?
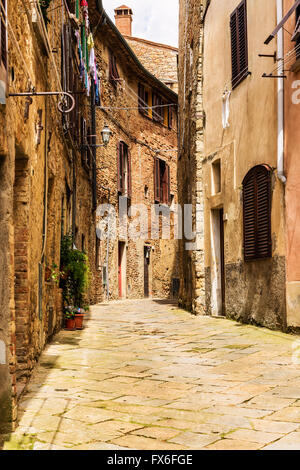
(90, 41)
(92, 62)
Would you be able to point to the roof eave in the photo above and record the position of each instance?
(159, 84)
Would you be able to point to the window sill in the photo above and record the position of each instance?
(155, 122)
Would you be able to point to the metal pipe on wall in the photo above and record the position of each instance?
(280, 97)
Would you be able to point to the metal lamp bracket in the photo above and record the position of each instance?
(62, 102)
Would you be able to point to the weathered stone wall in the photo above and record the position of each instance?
(254, 290)
(40, 172)
(190, 177)
(145, 139)
(159, 59)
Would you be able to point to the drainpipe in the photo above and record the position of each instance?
(280, 98)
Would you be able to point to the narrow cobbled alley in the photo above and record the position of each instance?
(147, 375)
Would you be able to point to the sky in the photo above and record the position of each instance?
(155, 20)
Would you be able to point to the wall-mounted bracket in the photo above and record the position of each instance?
(62, 104)
(264, 75)
(273, 56)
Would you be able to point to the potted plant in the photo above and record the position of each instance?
(79, 316)
(70, 319)
(74, 279)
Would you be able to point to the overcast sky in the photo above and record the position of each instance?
(156, 20)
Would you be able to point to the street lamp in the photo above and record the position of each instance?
(106, 134)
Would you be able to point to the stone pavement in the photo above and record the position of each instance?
(147, 375)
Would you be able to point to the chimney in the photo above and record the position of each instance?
(123, 17)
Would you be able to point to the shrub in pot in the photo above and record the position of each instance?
(75, 277)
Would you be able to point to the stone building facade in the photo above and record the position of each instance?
(142, 152)
(56, 172)
(239, 180)
(289, 153)
(191, 152)
(159, 59)
(46, 187)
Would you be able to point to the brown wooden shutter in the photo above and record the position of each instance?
(129, 178)
(156, 180)
(113, 69)
(168, 185)
(239, 43)
(142, 98)
(170, 117)
(120, 167)
(3, 37)
(257, 213)
(110, 65)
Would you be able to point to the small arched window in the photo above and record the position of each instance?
(257, 213)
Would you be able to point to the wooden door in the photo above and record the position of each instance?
(146, 271)
(222, 256)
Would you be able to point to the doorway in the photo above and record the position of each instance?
(122, 270)
(218, 294)
(147, 251)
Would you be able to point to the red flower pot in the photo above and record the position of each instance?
(79, 321)
(70, 324)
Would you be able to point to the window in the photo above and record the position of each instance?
(257, 213)
(216, 177)
(143, 100)
(124, 170)
(158, 112)
(72, 5)
(161, 181)
(3, 36)
(239, 44)
(85, 139)
(296, 35)
(113, 70)
(98, 254)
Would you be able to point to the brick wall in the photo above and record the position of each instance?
(143, 136)
(36, 174)
(190, 175)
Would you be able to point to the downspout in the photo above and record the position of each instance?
(44, 236)
(280, 98)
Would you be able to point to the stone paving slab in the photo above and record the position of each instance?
(148, 375)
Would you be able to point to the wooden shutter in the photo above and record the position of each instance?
(110, 64)
(257, 213)
(168, 185)
(3, 36)
(156, 180)
(239, 43)
(142, 98)
(113, 69)
(129, 178)
(157, 113)
(170, 117)
(120, 167)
